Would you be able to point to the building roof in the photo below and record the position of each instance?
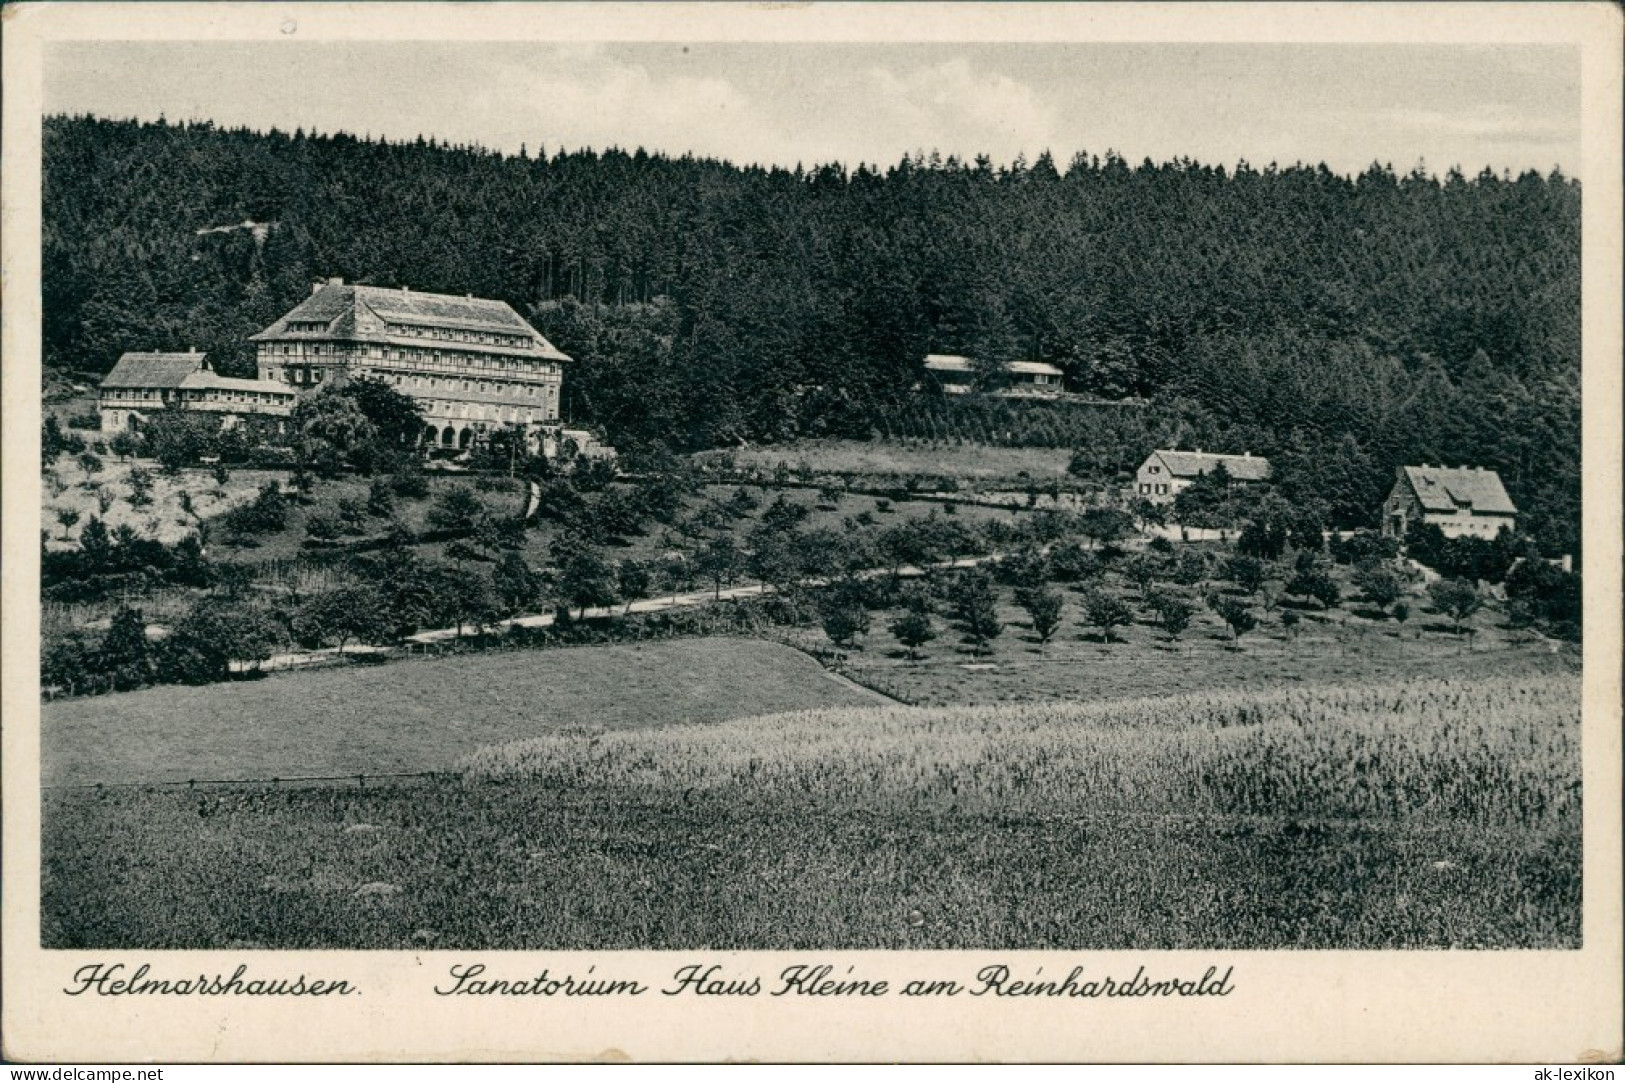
(204, 379)
(1188, 464)
(154, 369)
(361, 313)
(952, 362)
(1032, 368)
(1443, 488)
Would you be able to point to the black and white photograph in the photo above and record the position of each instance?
(703, 495)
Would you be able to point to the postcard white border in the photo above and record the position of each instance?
(1526, 1006)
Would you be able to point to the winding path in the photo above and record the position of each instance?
(686, 600)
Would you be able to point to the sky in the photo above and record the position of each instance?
(1511, 107)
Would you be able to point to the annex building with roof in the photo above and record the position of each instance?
(1167, 473)
(473, 365)
(143, 384)
(956, 375)
(1460, 501)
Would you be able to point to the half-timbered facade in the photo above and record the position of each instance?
(143, 384)
(473, 365)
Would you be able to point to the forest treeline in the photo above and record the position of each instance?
(1348, 324)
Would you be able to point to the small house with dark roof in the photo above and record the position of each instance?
(1166, 473)
(473, 365)
(1460, 501)
(142, 384)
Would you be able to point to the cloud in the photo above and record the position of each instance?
(588, 100)
(953, 107)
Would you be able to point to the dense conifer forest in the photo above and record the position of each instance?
(1342, 324)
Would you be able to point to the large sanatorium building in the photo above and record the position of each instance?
(473, 365)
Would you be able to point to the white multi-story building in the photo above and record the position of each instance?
(473, 365)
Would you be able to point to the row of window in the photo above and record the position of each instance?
(449, 359)
(482, 412)
(1147, 489)
(215, 394)
(517, 390)
(486, 386)
(447, 334)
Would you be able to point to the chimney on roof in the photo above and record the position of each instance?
(1198, 451)
(405, 290)
(335, 281)
(191, 349)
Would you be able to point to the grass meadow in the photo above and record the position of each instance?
(1413, 814)
(419, 715)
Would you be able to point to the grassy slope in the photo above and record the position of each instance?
(418, 715)
(867, 821)
(164, 518)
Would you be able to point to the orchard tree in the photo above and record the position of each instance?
(124, 656)
(332, 430)
(516, 587)
(342, 614)
(587, 580)
(1246, 572)
(719, 561)
(67, 518)
(1103, 526)
(1315, 582)
(1377, 581)
(1456, 598)
(843, 620)
(1105, 611)
(913, 630)
(396, 419)
(633, 582)
(458, 509)
(465, 596)
(1234, 613)
(214, 634)
(125, 444)
(976, 608)
(1043, 606)
(1173, 613)
(140, 483)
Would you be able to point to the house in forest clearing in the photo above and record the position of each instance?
(956, 375)
(1460, 501)
(473, 365)
(142, 384)
(1167, 473)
